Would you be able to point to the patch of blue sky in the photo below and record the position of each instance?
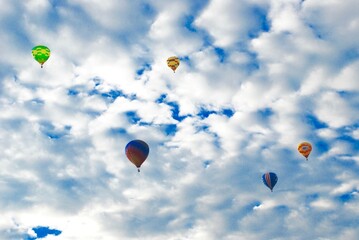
(314, 122)
(347, 138)
(12, 26)
(132, 117)
(75, 190)
(57, 3)
(186, 60)
(16, 192)
(202, 128)
(265, 113)
(321, 146)
(346, 57)
(205, 128)
(35, 104)
(48, 129)
(73, 92)
(117, 131)
(6, 69)
(349, 196)
(253, 64)
(207, 39)
(175, 111)
(351, 54)
(248, 208)
(161, 99)
(282, 209)
(205, 113)
(97, 81)
(311, 197)
(53, 17)
(147, 9)
(94, 92)
(169, 129)
(253, 205)
(14, 123)
(113, 94)
(224, 204)
(216, 141)
(198, 6)
(349, 95)
(68, 183)
(144, 123)
(344, 162)
(227, 112)
(188, 23)
(133, 30)
(316, 30)
(206, 163)
(92, 113)
(42, 232)
(145, 67)
(221, 54)
(109, 96)
(263, 25)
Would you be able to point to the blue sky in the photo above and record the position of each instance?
(256, 78)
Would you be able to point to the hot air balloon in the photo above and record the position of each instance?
(270, 179)
(137, 152)
(41, 54)
(173, 63)
(305, 148)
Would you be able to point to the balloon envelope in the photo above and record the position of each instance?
(173, 63)
(270, 179)
(41, 54)
(137, 151)
(305, 148)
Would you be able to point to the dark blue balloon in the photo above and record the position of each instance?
(270, 179)
(137, 151)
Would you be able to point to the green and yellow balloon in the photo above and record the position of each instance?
(41, 54)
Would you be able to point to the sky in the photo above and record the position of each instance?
(256, 78)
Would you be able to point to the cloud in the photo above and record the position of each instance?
(255, 79)
(334, 110)
(230, 22)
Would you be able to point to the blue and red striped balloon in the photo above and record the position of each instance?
(270, 179)
(137, 151)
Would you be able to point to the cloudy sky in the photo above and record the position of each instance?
(256, 78)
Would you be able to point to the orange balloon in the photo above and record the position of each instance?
(305, 148)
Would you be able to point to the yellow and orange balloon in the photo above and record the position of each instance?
(173, 63)
(305, 148)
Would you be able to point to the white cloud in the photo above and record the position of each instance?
(334, 110)
(323, 204)
(355, 133)
(247, 104)
(327, 133)
(345, 23)
(346, 79)
(229, 22)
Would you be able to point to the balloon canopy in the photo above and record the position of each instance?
(137, 151)
(41, 54)
(270, 179)
(173, 63)
(305, 148)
